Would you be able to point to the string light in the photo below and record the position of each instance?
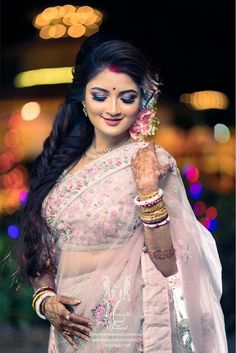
(67, 21)
(203, 100)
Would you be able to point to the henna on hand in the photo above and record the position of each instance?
(67, 323)
(146, 169)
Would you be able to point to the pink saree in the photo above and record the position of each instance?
(101, 261)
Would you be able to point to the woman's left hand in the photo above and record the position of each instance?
(146, 169)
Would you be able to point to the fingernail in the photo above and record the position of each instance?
(77, 302)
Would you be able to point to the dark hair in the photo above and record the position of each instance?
(71, 135)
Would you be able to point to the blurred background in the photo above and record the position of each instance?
(191, 44)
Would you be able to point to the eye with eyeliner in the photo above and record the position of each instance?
(126, 100)
(129, 99)
(98, 97)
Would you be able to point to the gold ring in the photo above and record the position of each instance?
(67, 332)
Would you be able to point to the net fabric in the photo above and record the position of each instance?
(198, 265)
(98, 245)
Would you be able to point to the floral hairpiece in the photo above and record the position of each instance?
(146, 124)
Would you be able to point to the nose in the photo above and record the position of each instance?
(113, 109)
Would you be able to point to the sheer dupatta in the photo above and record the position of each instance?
(198, 264)
(98, 245)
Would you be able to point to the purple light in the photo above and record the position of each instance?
(196, 190)
(23, 196)
(13, 231)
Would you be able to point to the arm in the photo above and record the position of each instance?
(58, 309)
(160, 239)
(47, 279)
(146, 170)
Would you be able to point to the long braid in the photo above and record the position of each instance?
(71, 134)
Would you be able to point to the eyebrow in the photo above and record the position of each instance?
(121, 92)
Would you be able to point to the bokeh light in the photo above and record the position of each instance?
(213, 225)
(203, 100)
(211, 212)
(199, 208)
(196, 190)
(23, 196)
(191, 173)
(206, 222)
(68, 20)
(30, 111)
(13, 231)
(221, 133)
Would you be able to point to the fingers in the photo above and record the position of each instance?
(68, 338)
(68, 300)
(79, 319)
(67, 323)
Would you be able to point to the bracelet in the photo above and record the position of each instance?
(41, 289)
(157, 224)
(143, 197)
(39, 302)
(146, 202)
(38, 294)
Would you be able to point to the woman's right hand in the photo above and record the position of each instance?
(64, 321)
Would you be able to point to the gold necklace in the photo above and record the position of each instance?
(94, 155)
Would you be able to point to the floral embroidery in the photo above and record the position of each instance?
(183, 253)
(184, 335)
(175, 188)
(207, 324)
(102, 313)
(64, 230)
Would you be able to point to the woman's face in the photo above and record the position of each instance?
(112, 100)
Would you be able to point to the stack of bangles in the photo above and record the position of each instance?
(39, 297)
(153, 211)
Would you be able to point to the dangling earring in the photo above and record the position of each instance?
(85, 110)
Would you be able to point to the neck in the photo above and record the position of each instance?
(101, 142)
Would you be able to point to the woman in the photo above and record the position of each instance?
(116, 257)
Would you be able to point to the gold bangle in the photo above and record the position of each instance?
(155, 207)
(143, 197)
(154, 219)
(38, 295)
(156, 213)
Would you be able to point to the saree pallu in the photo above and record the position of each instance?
(101, 260)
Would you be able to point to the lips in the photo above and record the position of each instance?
(112, 122)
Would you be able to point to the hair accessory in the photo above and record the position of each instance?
(146, 124)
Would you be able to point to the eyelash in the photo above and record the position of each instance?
(124, 100)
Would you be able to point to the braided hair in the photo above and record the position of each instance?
(71, 134)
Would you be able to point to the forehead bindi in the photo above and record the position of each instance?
(113, 81)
